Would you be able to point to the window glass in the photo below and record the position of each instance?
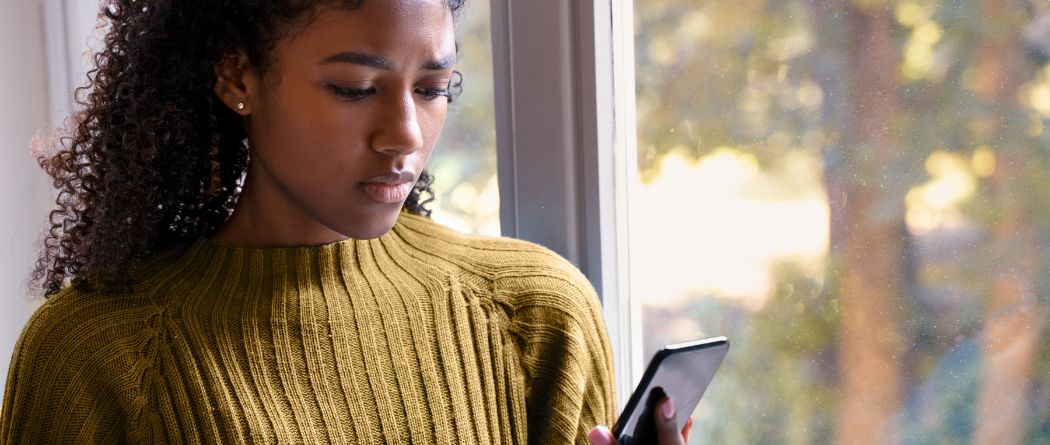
(464, 160)
(856, 193)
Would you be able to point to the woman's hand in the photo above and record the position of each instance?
(667, 432)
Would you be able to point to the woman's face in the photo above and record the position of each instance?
(343, 121)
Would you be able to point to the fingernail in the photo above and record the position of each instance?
(600, 435)
(667, 408)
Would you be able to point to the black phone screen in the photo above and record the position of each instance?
(681, 371)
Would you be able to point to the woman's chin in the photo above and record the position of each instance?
(371, 227)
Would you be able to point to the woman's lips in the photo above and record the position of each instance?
(387, 193)
(390, 187)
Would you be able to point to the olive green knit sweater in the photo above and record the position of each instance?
(423, 335)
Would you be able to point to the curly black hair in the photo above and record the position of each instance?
(154, 159)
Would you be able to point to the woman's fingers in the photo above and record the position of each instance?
(667, 431)
(600, 435)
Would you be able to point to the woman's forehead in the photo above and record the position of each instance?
(379, 26)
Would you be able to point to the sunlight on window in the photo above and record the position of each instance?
(856, 194)
(920, 58)
(1039, 98)
(703, 229)
(475, 210)
(910, 13)
(464, 160)
(983, 161)
(935, 205)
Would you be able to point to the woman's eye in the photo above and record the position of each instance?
(433, 93)
(351, 93)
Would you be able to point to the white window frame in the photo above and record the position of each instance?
(566, 144)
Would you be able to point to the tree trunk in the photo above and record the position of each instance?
(871, 246)
(1013, 318)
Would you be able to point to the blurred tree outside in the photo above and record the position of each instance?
(866, 179)
(921, 317)
(464, 161)
(1014, 318)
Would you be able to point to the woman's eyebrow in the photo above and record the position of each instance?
(377, 62)
(441, 64)
(360, 59)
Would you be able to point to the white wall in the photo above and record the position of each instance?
(24, 190)
(43, 43)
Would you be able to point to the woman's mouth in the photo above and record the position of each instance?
(387, 193)
(390, 187)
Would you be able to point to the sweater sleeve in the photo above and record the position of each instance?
(68, 380)
(565, 355)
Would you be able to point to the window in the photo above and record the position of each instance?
(464, 161)
(854, 193)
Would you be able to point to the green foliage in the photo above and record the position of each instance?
(777, 383)
(727, 76)
(771, 78)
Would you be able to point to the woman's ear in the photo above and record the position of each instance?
(233, 80)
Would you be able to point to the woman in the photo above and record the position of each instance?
(241, 251)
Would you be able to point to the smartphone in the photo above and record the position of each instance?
(681, 371)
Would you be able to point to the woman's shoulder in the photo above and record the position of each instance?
(75, 327)
(510, 261)
(523, 274)
(75, 362)
(76, 316)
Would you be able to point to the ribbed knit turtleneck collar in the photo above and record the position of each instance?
(226, 268)
(341, 253)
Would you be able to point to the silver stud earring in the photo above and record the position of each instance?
(240, 106)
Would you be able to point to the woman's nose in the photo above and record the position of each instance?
(398, 130)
